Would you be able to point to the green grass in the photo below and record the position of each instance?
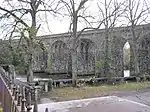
(69, 93)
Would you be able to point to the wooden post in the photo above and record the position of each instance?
(50, 84)
(54, 82)
(46, 86)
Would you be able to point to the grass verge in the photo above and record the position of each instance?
(70, 93)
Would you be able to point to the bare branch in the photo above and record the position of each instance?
(16, 17)
(81, 5)
(68, 7)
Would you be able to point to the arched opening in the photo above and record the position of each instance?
(40, 60)
(43, 60)
(59, 57)
(86, 56)
(126, 59)
(59, 47)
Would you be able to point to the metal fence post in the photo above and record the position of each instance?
(14, 89)
(19, 97)
(9, 93)
(16, 94)
(29, 102)
(23, 100)
(10, 83)
(35, 109)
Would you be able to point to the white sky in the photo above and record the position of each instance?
(61, 24)
(127, 45)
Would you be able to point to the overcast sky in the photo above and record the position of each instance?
(61, 24)
(53, 25)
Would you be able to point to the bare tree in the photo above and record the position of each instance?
(135, 14)
(76, 11)
(110, 11)
(22, 18)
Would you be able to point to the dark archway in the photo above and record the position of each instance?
(86, 57)
(59, 58)
(40, 60)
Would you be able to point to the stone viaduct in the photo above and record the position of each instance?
(90, 50)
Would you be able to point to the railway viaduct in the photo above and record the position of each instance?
(90, 50)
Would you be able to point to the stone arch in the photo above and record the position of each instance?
(58, 46)
(40, 59)
(131, 66)
(126, 58)
(86, 45)
(59, 57)
(117, 63)
(86, 56)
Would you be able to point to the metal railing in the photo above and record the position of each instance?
(7, 98)
(15, 97)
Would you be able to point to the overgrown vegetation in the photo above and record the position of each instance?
(22, 21)
(12, 55)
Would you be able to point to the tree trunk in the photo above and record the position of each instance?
(30, 57)
(74, 51)
(30, 68)
(135, 50)
(70, 65)
(32, 36)
(74, 68)
(106, 54)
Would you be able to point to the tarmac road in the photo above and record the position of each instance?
(116, 101)
(99, 104)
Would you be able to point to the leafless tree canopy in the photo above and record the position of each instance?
(22, 19)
